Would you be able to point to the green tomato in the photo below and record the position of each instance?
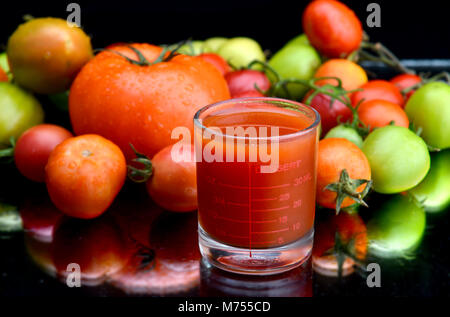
(191, 48)
(5, 65)
(346, 132)
(396, 228)
(297, 62)
(298, 40)
(398, 158)
(213, 44)
(240, 51)
(434, 190)
(19, 110)
(429, 109)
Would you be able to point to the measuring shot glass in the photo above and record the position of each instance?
(256, 183)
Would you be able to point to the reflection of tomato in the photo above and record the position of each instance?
(40, 217)
(378, 89)
(34, 147)
(175, 266)
(84, 174)
(95, 245)
(40, 253)
(141, 105)
(332, 28)
(352, 233)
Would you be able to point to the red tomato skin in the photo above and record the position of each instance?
(379, 113)
(3, 75)
(332, 27)
(378, 89)
(249, 94)
(330, 114)
(34, 147)
(217, 61)
(241, 81)
(404, 81)
(173, 185)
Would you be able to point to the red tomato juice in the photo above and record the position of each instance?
(243, 207)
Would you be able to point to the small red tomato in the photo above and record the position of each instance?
(248, 94)
(378, 89)
(246, 80)
(173, 183)
(404, 81)
(332, 28)
(84, 174)
(3, 75)
(34, 147)
(217, 61)
(331, 114)
(379, 113)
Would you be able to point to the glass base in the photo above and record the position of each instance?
(255, 261)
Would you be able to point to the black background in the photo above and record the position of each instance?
(412, 29)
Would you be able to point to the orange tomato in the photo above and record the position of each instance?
(173, 185)
(332, 27)
(217, 61)
(404, 81)
(141, 104)
(351, 74)
(84, 174)
(378, 89)
(335, 155)
(379, 113)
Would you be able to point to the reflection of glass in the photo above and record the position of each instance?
(294, 283)
(256, 213)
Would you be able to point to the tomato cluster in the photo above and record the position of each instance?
(125, 102)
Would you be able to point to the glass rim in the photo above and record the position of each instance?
(314, 125)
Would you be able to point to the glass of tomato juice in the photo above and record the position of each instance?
(256, 182)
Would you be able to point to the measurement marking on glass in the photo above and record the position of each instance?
(237, 204)
(272, 231)
(272, 209)
(249, 187)
(244, 221)
(264, 199)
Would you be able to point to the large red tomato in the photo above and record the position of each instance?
(142, 103)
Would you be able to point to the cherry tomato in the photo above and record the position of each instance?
(396, 228)
(192, 48)
(213, 44)
(84, 174)
(335, 155)
(398, 157)
(245, 80)
(19, 111)
(351, 74)
(346, 132)
(45, 54)
(240, 51)
(434, 190)
(429, 109)
(404, 81)
(34, 147)
(296, 62)
(302, 39)
(173, 185)
(378, 89)
(217, 61)
(332, 28)
(352, 233)
(331, 113)
(250, 93)
(379, 113)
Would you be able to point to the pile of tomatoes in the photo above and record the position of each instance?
(124, 102)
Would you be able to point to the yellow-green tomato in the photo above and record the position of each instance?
(299, 40)
(429, 109)
(240, 51)
(398, 158)
(396, 228)
(434, 191)
(4, 64)
(45, 54)
(19, 110)
(296, 62)
(191, 48)
(346, 132)
(213, 44)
